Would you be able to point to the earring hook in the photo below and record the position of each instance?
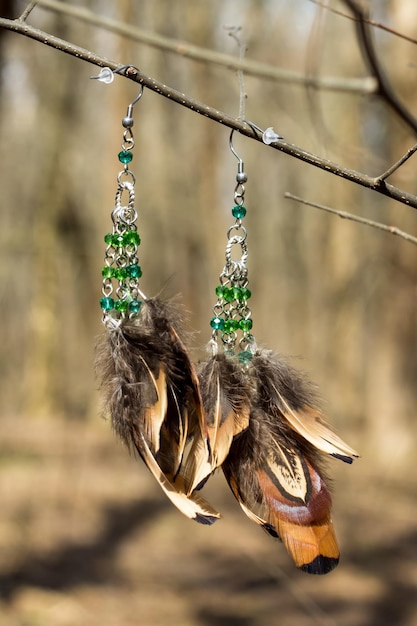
(241, 175)
(135, 71)
(106, 75)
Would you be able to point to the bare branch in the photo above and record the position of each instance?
(355, 218)
(214, 114)
(373, 23)
(252, 68)
(27, 11)
(384, 86)
(233, 32)
(396, 165)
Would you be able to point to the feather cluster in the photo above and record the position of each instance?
(259, 422)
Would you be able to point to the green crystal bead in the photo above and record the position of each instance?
(125, 156)
(245, 356)
(217, 323)
(239, 212)
(120, 273)
(246, 293)
(134, 271)
(228, 294)
(245, 325)
(220, 290)
(107, 304)
(237, 293)
(121, 305)
(231, 326)
(117, 240)
(131, 237)
(108, 239)
(107, 272)
(134, 306)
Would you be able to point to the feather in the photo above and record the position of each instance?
(152, 394)
(192, 506)
(274, 467)
(225, 397)
(281, 490)
(286, 393)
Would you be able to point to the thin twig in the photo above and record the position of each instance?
(355, 218)
(233, 32)
(252, 68)
(396, 165)
(27, 11)
(218, 116)
(373, 23)
(371, 57)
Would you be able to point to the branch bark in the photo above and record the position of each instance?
(214, 114)
(393, 230)
(372, 60)
(197, 53)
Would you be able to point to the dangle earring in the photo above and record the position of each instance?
(264, 426)
(231, 312)
(150, 384)
(225, 390)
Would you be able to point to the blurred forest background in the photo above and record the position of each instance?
(86, 536)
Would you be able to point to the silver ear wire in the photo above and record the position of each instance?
(241, 176)
(106, 76)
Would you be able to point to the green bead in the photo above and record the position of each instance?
(107, 304)
(246, 293)
(120, 273)
(228, 294)
(239, 211)
(131, 237)
(237, 293)
(217, 323)
(245, 356)
(108, 239)
(220, 290)
(245, 325)
(107, 272)
(125, 156)
(121, 305)
(117, 240)
(134, 306)
(231, 326)
(134, 271)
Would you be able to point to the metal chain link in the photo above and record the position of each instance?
(121, 271)
(232, 314)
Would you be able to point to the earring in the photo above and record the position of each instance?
(150, 384)
(264, 427)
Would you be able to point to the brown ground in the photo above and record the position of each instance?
(87, 538)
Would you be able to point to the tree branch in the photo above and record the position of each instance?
(384, 86)
(197, 53)
(393, 230)
(27, 11)
(373, 23)
(396, 165)
(214, 114)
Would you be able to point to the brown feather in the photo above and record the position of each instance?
(152, 394)
(285, 392)
(225, 397)
(192, 506)
(274, 467)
